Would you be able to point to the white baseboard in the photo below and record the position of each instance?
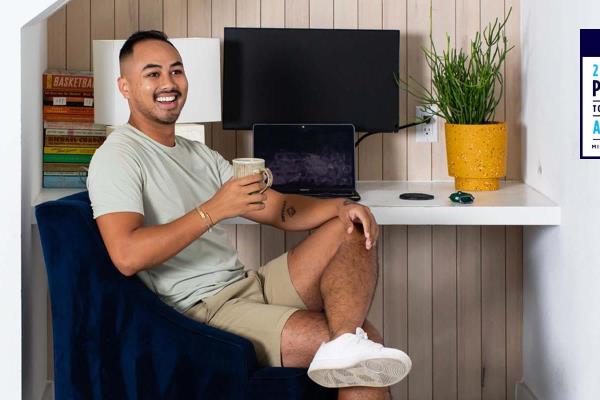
(48, 391)
(522, 392)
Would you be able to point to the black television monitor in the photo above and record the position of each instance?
(316, 76)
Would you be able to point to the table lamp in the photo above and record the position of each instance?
(201, 59)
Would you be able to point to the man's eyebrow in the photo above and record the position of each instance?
(175, 64)
(151, 66)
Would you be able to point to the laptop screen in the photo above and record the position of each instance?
(307, 158)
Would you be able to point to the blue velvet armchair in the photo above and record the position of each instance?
(115, 339)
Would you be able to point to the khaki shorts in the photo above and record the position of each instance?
(256, 307)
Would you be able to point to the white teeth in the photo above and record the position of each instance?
(166, 99)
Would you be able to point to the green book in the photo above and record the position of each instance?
(67, 158)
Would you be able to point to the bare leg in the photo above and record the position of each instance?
(301, 337)
(348, 284)
(333, 270)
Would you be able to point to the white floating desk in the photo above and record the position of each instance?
(514, 204)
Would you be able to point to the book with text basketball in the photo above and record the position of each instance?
(68, 80)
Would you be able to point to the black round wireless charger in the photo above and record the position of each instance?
(416, 196)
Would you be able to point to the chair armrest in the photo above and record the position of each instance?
(211, 350)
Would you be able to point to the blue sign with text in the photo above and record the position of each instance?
(589, 80)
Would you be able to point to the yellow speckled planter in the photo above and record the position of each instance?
(476, 155)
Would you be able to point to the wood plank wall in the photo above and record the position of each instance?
(451, 296)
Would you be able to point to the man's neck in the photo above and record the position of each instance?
(162, 133)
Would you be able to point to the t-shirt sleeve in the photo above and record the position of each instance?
(224, 167)
(115, 181)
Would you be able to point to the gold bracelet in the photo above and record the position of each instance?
(205, 217)
(209, 218)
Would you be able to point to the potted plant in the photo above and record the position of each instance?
(464, 94)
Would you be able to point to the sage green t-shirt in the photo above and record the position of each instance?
(132, 172)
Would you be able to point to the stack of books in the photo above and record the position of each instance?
(70, 135)
(68, 149)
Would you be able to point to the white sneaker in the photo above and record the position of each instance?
(354, 360)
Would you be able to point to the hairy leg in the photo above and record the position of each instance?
(332, 270)
(301, 337)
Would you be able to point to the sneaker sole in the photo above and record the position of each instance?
(377, 372)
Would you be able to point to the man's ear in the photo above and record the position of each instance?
(123, 86)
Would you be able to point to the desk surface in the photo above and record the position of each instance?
(514, 204)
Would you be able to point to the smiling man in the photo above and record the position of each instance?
(158, 201)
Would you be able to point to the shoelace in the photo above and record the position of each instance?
(362, 336)
(361, 333)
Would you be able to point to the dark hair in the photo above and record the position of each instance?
(141, 36)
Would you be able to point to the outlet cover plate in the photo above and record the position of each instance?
(426, 133)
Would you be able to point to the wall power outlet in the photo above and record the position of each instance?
(426, 133)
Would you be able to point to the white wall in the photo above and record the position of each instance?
(13, 18)
(561, 340)
(34, 283)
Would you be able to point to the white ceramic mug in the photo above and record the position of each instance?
(248, 166)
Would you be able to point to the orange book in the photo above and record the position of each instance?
(69, 118)
(68, 80)
(68, 110)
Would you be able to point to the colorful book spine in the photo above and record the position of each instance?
(67, 158)
(76, 132)
(74, 125)
(64, 167)
(73, 141)
(69, 101)
(66, 80)
(82, 173)
(64, 181)
(69, 150)
(69, 118)
(66, 110)
(68, 93)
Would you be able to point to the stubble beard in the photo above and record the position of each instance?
(169, 119)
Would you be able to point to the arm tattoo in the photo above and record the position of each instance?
(283, 212)
(290, 211)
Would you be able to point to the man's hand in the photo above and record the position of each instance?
(350, 213)
(236, 197)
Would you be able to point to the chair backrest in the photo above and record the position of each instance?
(86, 292)
(114, 338)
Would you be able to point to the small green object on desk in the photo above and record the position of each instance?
(462, 197)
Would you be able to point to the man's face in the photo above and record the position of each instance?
(153, 81)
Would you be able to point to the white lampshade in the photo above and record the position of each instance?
(201, 59)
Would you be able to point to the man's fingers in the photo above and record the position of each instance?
(249, 179)
(252, 188)
(257, 197)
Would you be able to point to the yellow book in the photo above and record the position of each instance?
(69, 150)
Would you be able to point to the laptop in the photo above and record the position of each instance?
(309, 159)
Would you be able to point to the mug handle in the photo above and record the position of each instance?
(267, 171)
